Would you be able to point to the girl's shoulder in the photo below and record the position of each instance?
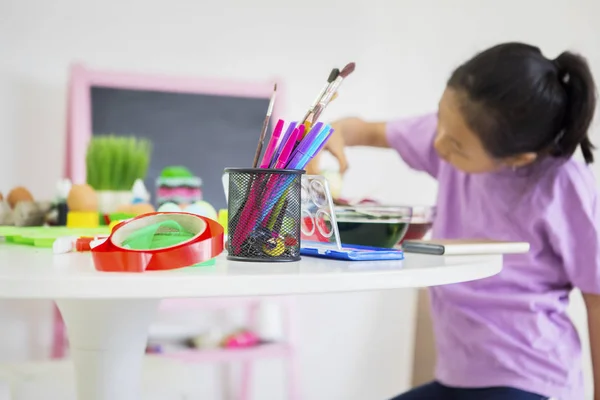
(566, 181)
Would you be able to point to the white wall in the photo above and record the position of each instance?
(354, 346)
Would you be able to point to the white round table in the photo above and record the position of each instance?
(108, 315)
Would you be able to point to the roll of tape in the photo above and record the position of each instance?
(206, 243)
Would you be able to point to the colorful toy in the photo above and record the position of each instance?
(178, 185)
(82, 219)
(140, 193)
(83, 207)
(240, 340)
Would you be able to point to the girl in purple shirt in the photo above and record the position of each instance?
(501, 147)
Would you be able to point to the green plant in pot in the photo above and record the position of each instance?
(113, 163)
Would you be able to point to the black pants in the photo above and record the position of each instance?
(437, 391)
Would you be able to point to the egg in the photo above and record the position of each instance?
(141, 208)
(124, 209)
(18, 194)
(202, 208)
(169, 207)
(82, 198)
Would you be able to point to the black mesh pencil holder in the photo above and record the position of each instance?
(264, 214)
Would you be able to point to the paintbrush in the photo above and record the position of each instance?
(265, 126)
(332, 90)
(332, 76)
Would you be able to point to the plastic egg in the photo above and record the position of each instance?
(169, 207)
(141, 208)
(135, 209)
(202, 208)
(334, 178)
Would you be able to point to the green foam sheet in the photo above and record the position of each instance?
(42, 236)
(162, 234)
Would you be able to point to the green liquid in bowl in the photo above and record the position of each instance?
(373, 226)
(375, 234)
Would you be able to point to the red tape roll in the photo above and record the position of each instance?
(206, 244)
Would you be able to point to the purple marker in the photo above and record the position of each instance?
(318, 149)
(308, 148)
(310, 137)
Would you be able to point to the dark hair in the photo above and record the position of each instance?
(518, 101)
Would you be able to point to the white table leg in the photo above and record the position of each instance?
(107, 340)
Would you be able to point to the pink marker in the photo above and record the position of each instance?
(266, 160)
(287, 149)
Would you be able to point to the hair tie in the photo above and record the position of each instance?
(563, 76)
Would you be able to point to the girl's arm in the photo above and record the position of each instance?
(357, 132)
(412, 138)
(573, 221)
(350, 132)
(592, 304)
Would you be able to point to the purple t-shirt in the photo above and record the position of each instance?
(511, 329)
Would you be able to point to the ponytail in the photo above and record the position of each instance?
(518, 101)
(576, 78)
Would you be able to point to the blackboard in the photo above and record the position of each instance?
(205, 133)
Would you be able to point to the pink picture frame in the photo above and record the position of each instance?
(82, 79)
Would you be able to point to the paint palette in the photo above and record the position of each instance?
(318, 222)
(320, 231)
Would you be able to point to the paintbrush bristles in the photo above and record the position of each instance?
(332, 90)
(347, 70)
(333, 74)
(272, 101)
(332, 77)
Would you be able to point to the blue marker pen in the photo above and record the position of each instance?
(317, 150)
(323, 142)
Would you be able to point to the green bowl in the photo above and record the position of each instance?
(376, 226)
